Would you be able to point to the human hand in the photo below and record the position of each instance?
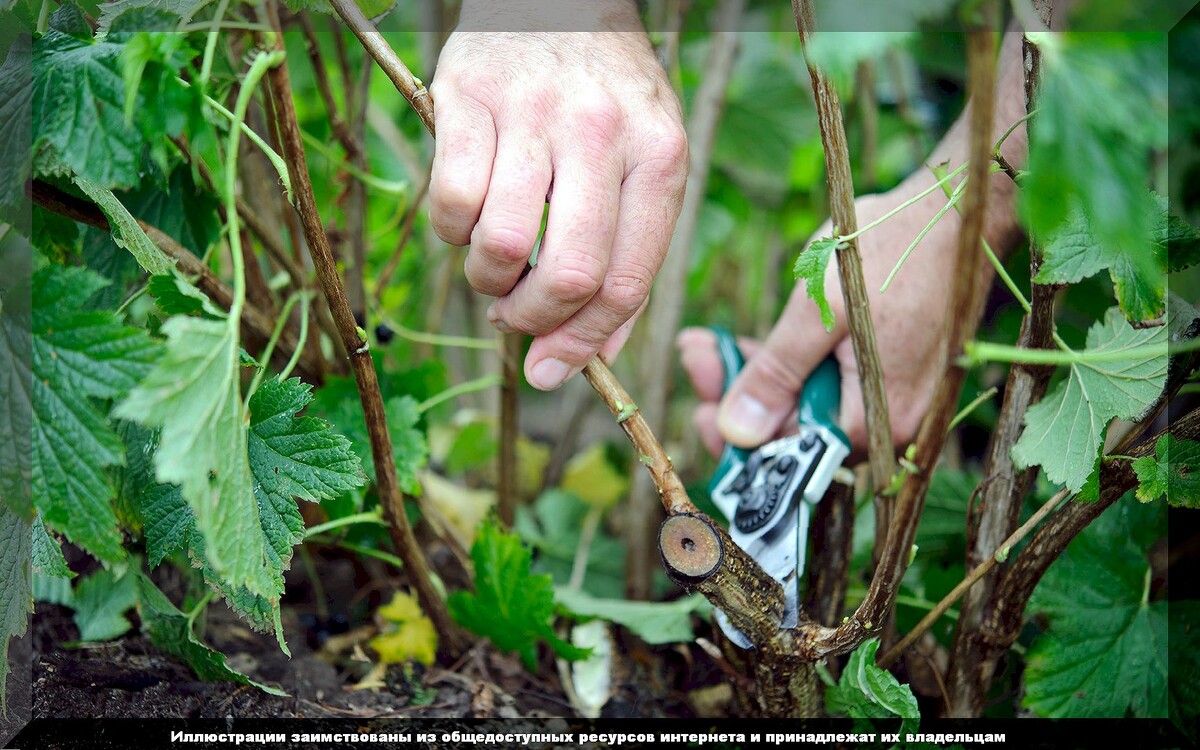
(908, 320)
(586, 121)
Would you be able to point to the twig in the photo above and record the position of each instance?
(665, 310)
(350, 144)
(406, 230)
(451, 639)
(961, 321)
(854, 288)
(998, 554)
(868, 116)
(1000, 496)
(408, 85)
(256, 326)
(650, 452)
(509, 487)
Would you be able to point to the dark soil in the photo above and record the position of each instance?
(130, 678)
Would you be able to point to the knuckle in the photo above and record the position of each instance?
(575, 280)
(505, 245)
(624, 292)
(667, 151)
(599, 121)
(774, 373)
(451, 203)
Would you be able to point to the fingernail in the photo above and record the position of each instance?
(549, 374)
(494, 318)
(744, 421)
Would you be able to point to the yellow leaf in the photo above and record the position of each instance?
(591, 477)
(401, 609)
(409, 636)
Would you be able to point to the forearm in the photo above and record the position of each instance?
(1001, 228)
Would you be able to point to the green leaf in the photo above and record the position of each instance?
(811, 266)
(16, 386)
(183, 211)
(1104, 653)
(510, 606)
(193, 395)
(125, 230)
(16, 106)
(47, 553)
(78, 356)
(171, 630)
(1073, 253)
(1181, 240)
(552, 525)
(370, 8)
(653, 622)
(867, 692)
(16, 596)
(294, 455)
(408, 441)
(338, 402)
(1174, 470)
(1103, 104)
(1064, 431)
(110, 12)
(100, 602)
(473, 446)
(175, 296)
(1183, 680)
(78, 108)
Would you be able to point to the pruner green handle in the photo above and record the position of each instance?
(819, 402)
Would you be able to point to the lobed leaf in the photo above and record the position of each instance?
(16, 595)
(510, 605)
(811, 266)
(1104, 652)
(1072, 253)
(1103, 104)
(193, 395)
(867, 692)
(100, 602)
(78, 105)
(1173, 471)
(78, 356)
(1064, 431)
(171, 630)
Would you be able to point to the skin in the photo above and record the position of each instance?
(908, 319)
(586, 122)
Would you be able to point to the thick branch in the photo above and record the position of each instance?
(256, 327)
(961, 321)
(650, 452)
(830, 542)
(998, 508)
(451, 640)
(854, 288)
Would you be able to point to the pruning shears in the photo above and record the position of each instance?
(768, 493)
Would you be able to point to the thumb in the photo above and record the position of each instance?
(766, 391)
